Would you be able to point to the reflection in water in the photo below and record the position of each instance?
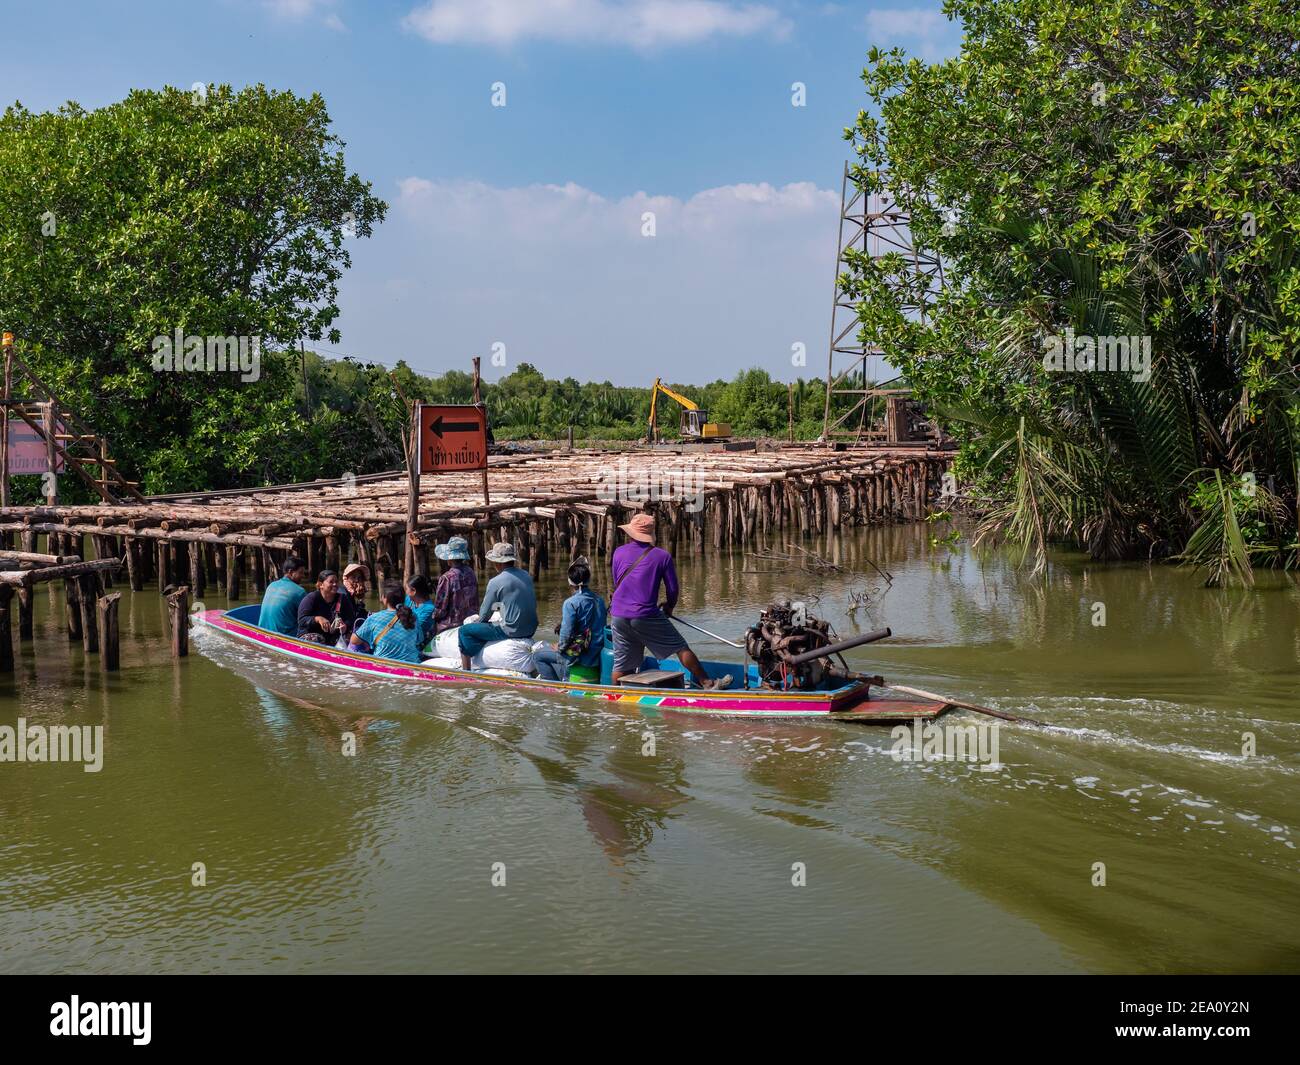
(623, 855)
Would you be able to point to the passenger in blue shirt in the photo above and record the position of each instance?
(280, 602)
(391, 633)
(512, 591)
(419, 597)
(581, 632)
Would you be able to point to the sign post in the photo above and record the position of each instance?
(413, 494)
(445, 438)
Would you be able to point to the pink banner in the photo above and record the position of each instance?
(27, 448)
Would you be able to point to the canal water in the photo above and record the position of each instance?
(488, 831)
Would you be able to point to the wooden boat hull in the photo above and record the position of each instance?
(851, 702)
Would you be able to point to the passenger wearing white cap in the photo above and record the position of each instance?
(511, 591)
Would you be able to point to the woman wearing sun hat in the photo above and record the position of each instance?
(456, 596)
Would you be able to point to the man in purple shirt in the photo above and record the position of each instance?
(635, 615)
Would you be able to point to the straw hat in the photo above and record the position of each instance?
(502, 552)
(356, 567)
(454, 550)
(641, 528)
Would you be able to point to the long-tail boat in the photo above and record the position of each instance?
(851, 700)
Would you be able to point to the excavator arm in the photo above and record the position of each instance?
(701, 427)
(689, 404)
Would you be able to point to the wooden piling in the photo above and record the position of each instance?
(178, 614)
(6, 631)
(88, 593)
(107, 610)
(26, 599)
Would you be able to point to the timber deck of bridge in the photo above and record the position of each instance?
(551, 504)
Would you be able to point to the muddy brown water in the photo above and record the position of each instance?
(734, 846)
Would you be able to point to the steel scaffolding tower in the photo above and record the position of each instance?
(876, 226)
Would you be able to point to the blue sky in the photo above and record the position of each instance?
(518, 229)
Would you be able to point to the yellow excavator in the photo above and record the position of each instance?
(695, 424)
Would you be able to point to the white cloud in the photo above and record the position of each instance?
(923, 31)
(564, 278)
(304, 10)
(634, 23)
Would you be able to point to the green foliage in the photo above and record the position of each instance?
(1116, 169)
(220, 218)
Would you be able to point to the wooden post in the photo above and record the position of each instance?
(536, 537)
(26, 597)
(88, 592)
(134, 564)
(197, 579)
(103, 466)
(72, 602)
(104, 549)
(478, 402)
(51, 429)
(8, 344)
(178, 611)
(366, 556)
(413, 489)
(232, 572)
(790, 398)
(6, 631)
(164, 566)
(107, 609)
(265, 568)
(253, 559)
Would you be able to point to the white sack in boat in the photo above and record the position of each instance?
(443, 663)
(446, 645)
(507, 654)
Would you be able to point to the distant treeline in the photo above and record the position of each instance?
(527, 405)
(317, 416)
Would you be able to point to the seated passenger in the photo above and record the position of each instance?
(355, 580)
(281, 599)
(418, 597)
(390, 633)
(512, 591)
(456, 596)
(581, 632)
(327, 613)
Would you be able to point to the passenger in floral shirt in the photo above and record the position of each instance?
(456, 596)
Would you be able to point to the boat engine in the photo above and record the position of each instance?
(792, 649)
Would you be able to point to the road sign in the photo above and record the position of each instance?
(452, 438)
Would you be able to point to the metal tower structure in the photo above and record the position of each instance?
(876, 226)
